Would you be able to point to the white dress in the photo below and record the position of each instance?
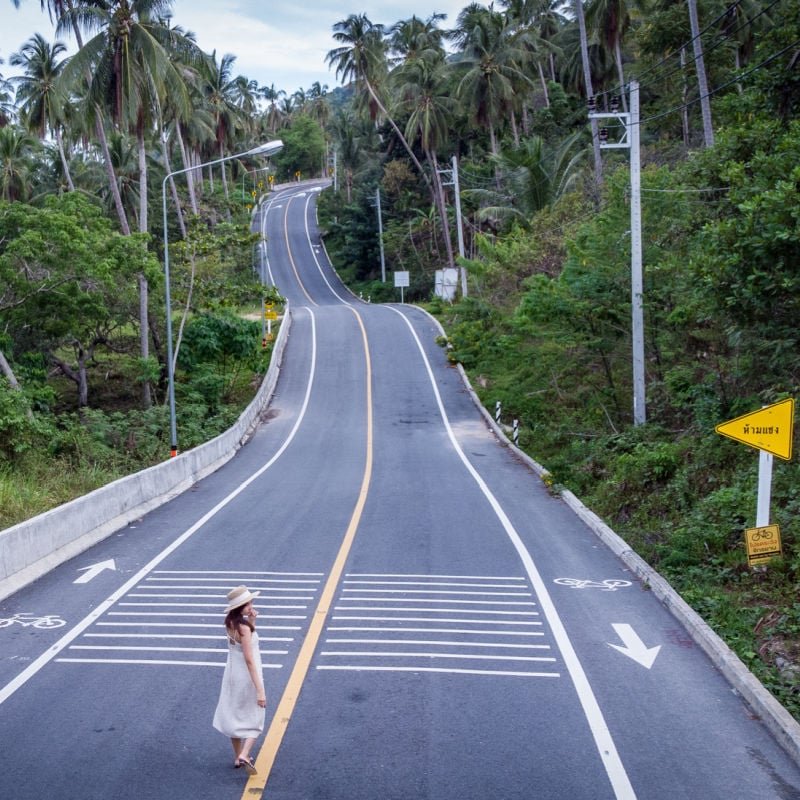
(238, 714)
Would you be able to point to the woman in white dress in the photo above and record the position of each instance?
(242, 700)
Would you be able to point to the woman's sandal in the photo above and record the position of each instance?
(249, 766)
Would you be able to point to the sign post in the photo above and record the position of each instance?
(401, 281)
(770, 430)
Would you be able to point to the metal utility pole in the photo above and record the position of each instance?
(380, 233)
(630, 140)
(459, 226)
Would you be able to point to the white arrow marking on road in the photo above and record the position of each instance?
(633, 647)
(95, 570)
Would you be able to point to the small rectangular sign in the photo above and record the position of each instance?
(763, 544)
(401, 280)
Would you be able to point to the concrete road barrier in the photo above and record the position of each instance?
(34, 547)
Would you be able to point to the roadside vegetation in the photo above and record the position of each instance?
(545, 325)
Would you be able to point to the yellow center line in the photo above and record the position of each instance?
(289, 251)
(266, 757)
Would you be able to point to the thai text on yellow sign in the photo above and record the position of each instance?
(763, 544)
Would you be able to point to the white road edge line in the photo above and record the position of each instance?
(623, 790)
(14, 685)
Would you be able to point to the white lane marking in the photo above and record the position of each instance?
(607, 750)
(190, 625)
(222, 572)
(14, 685)
(441, 577)
(153, 662)
(375, 668)
(443, 610)
(440, 642)
(436, 591)
(462, 656)
(436, 619)
(422, 583)
(316, 260)
(352, 628)
(177, 636)
(144, 648)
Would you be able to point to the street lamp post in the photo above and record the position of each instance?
(265, 149)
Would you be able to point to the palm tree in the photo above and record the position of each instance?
(67, 15)
(7, 108)
(587, 82)
(16, 150)
(40, 95)
(360, 58)
(534, 176)
(425, 94)
(610, 19)
(493, 63)
(131, 70)
(221, 99)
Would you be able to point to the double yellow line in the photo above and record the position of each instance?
(283, 713)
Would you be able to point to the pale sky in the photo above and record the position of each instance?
(274, 43)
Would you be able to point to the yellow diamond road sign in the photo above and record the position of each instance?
(769, 429)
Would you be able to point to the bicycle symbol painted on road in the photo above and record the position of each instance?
(608, 585)
(27, 620)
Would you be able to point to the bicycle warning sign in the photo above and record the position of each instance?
(762, 544)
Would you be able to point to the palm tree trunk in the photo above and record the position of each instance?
(587, 79)
(702, 82)
(101, 137)
(620, 74)
(173, 189)
(63, 156)
(397, 131)
(224, 174)
(544, 84)
(186, 165)
(684, 100)
(142, 153)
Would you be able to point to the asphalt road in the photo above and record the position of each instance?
(434, 624)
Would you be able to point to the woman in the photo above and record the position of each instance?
(242, 700)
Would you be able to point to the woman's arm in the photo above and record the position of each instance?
(246, 636)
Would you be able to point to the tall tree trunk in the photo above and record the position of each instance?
(142, 153)
(101, 137)
(400, 136)
(173, 189)
(685, 101)
(190, 172)
(620, 74)
(544, 84)
(224, 174)
(587, 79)
(144, 292)
(63, 156)
(702, 83)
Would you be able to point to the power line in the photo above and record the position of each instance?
(737, 79)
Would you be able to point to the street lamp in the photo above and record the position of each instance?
(264, 149)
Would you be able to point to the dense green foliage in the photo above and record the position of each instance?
(545, 327)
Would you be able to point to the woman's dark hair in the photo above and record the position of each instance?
(235, 618)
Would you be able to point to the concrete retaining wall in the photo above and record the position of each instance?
(34, 547)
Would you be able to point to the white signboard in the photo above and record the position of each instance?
(446, 283)
(401, 280)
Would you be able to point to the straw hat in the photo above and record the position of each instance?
(240, 596)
